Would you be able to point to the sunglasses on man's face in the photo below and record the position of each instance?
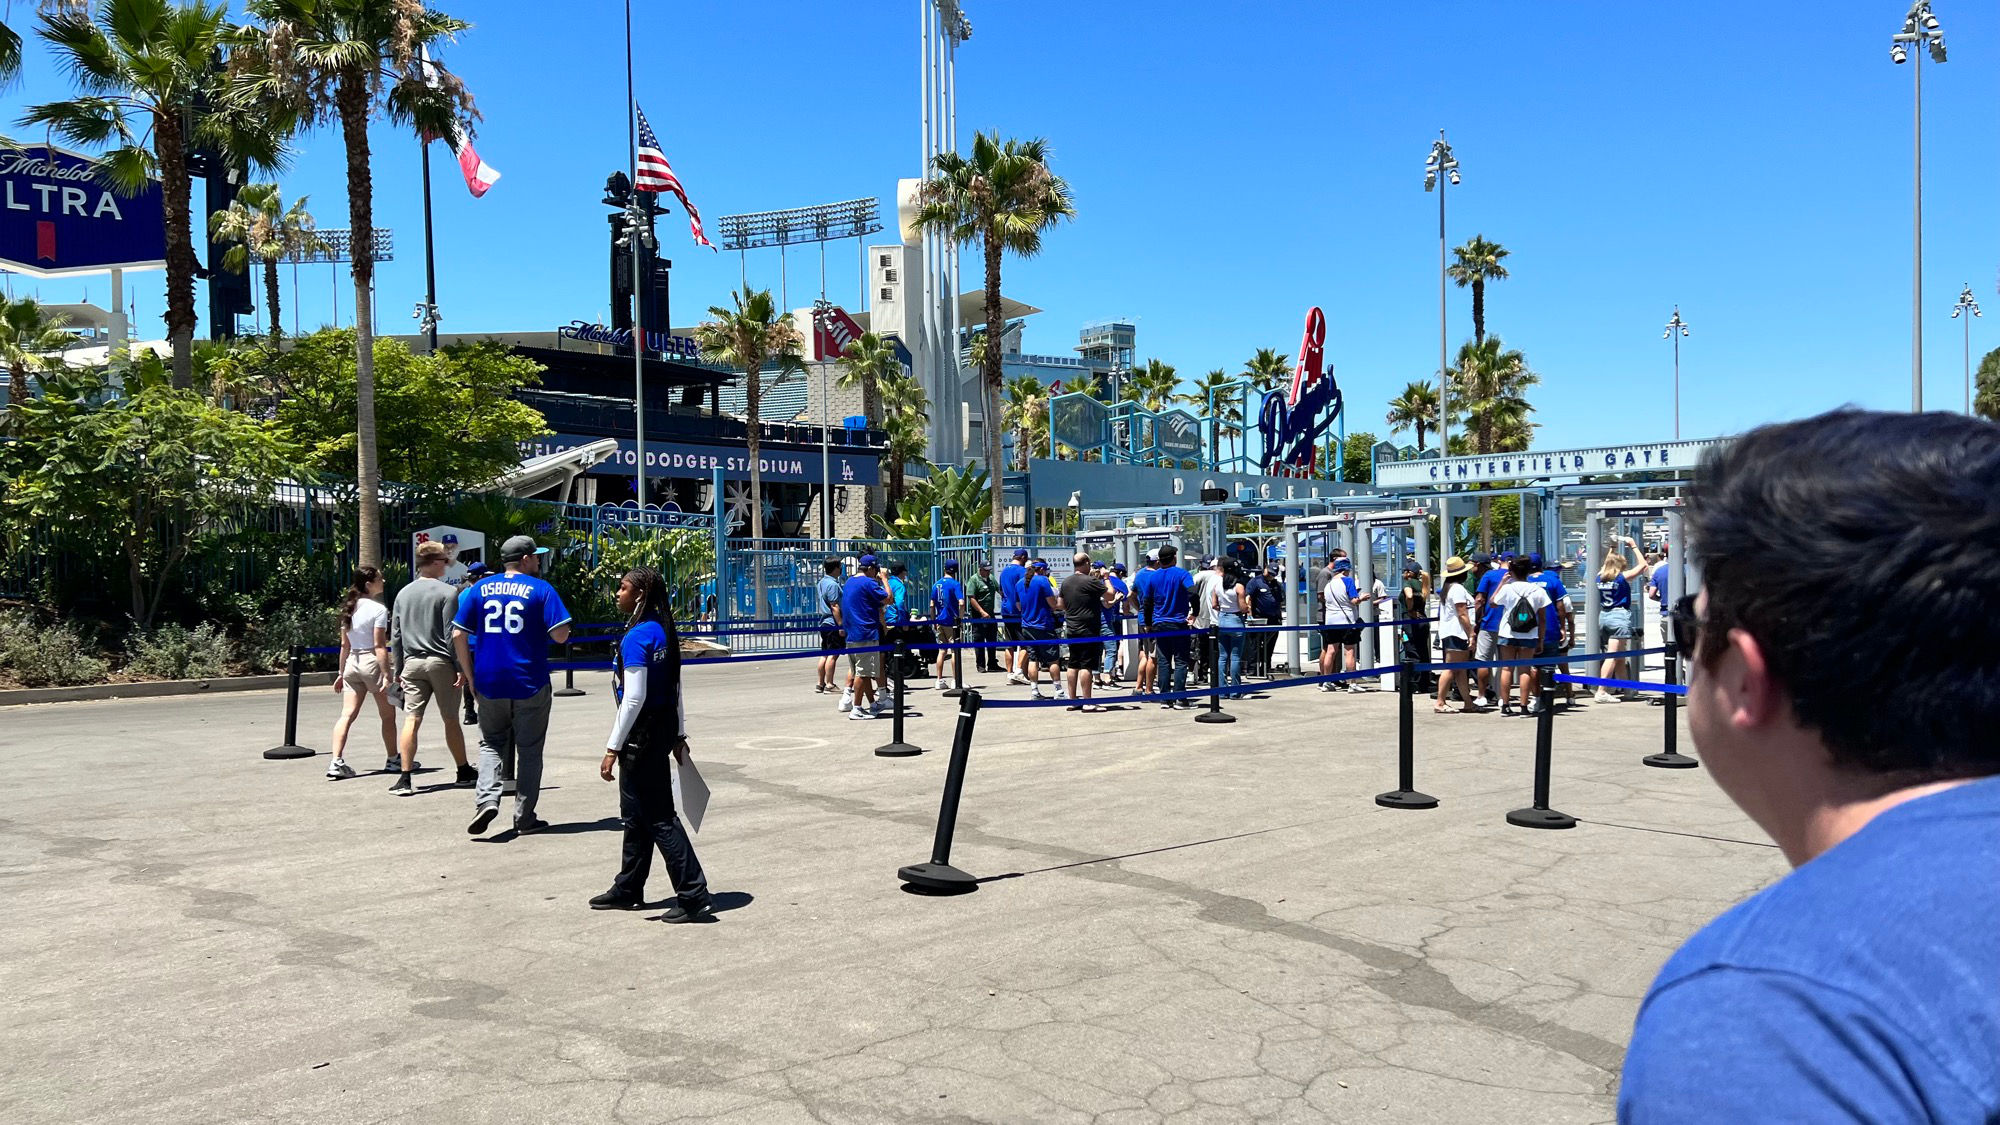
(1686, 623)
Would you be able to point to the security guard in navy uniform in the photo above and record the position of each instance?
(649, 733)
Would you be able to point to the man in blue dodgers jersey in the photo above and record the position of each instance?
(1169, 602)
(1850, 712)
(515, 615)
(861, 602)
(1038, 627)
(1012, 577)
(947, 603)
(650, 730)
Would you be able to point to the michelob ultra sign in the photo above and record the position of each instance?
(58, 217)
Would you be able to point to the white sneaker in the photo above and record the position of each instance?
(1062, 692)
(1326, 687)
(339, 770)
(1603, 696)
(847, 701)
(859, 713)
(1017, 678)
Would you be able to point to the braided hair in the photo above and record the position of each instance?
(654, 604)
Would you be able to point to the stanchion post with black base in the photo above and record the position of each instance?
(569, 687)
(1669, 757)
(1540, 815)
(1215, 713)
(957, 687)
(939, 877)
(896, 747)
(1405, 795)
(294, 665)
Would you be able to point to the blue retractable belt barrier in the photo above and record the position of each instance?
(1629, 685)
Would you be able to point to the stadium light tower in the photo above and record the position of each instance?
(1920, 30)
(1967, 305)
(1676, 328)
(1441, 166)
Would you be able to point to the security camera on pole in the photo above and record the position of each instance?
(1967, 305)
(1441, 163)
(1920, 29)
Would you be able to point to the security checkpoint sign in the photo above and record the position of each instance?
(57, 218)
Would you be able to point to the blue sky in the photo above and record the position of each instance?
(1236, 164)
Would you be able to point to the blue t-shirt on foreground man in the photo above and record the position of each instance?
(1865, 985)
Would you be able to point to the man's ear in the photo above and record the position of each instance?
(1752, 697)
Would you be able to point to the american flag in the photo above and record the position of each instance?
(656, 175)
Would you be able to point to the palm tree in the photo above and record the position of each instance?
(31, 339)
(1227, 419)
(350, 61)
(1269, 369)
(747, 338)
(260, 225)
(1416, 407)
(1152, 384)
(152, 91)
(1489, 387)
(868, 361)
(1478, 262)
(904, 408)
(1026, 413)
(1003, 197)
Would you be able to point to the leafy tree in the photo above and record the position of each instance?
(1357, 454)
(1986, 400)
(152, 91)
(1152, 384)
(866, 362)
(351, 61)
(262, 227)
(448, 418)
(31, 340)
(1002, 196)
(905, 419)
(152, 470)
(747, 338)
(1416, 407)
(1476, 263)
(962, 495)
(1269, 369)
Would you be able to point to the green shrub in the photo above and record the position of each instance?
(269, 642)
(175, 652)
(57, 655)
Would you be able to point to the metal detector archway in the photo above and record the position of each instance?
(1350, 528)
(1128, 545)
(1375, 560)
(1598, 512)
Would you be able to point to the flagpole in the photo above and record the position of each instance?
(430, 257)
(637, 248)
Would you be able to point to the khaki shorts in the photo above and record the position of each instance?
(867, 664)
(362, 672)
(427, 676)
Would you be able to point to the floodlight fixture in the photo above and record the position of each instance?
(826, 222)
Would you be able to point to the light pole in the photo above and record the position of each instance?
(1676, 328)
(638, 239)
(1967, 305)
(1441, 163)
(1920, 28)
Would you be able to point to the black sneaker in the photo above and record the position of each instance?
(482, 818)
(678, 913)
(612, 900)
(402, 787)
(530, 825)
(468, 776)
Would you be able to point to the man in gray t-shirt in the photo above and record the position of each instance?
(420, 643)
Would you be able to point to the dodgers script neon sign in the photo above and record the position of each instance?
(1292, 424)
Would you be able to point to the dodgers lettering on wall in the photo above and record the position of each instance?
(57, 217)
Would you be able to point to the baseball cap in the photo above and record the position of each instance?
(1020, 552)
(477, 570)
(1535, 558)
(1153, 555)
(1040, 564)
(520, 547)
(1342, 564)
(1117, 568)
(866, 560)
(951, 565)
(1481, 558)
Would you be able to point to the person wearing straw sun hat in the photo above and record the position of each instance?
(1456, 628)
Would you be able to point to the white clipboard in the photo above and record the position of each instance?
(690, 793)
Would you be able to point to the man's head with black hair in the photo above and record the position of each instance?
(898, 569)
(1815, 678)
(832, 567)
(1170, 555)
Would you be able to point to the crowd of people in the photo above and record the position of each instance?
(1209, 624)
(486, 641)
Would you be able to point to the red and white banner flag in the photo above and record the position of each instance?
(656, 175)
(833, 330)
(479, 175)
